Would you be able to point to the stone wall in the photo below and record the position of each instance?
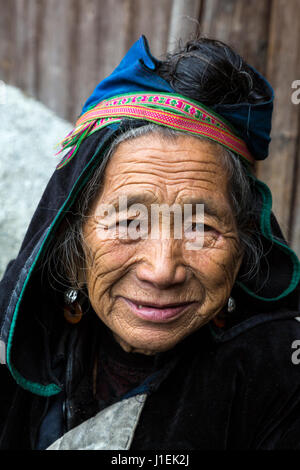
(29, 132)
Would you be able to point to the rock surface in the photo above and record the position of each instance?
(29, 133)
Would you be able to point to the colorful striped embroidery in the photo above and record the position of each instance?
(174, 111)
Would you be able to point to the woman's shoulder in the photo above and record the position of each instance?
(266, 347)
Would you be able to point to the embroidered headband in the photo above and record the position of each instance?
(170, 110)
(242, 127)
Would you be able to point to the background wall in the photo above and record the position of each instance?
(58, 50)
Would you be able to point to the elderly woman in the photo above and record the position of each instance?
(115, 338)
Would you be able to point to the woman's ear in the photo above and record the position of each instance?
(239, 260)
(81, 278)
(75, 272)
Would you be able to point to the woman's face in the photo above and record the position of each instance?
(153, 292)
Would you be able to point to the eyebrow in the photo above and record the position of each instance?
(138, 198)
(210, 208)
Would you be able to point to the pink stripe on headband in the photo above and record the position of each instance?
(172, 111)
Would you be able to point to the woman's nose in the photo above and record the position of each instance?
(162, 266)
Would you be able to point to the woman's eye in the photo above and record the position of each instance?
(194, 226)
(208, 228)
(118, 223)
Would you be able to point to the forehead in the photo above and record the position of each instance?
(166, 169)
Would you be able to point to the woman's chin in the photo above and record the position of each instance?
(144, 345)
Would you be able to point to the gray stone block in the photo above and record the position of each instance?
(29, 132)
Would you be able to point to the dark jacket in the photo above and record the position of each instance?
(236, 387)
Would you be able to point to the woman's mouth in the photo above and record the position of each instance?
(157, 312)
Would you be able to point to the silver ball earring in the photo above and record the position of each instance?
(231, 305)
(70, 296)
(72, 308)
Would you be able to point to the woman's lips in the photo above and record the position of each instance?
(157, 313)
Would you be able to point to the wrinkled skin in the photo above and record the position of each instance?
(162, 270)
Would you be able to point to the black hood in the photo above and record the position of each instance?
(29, 307)
(30, 321)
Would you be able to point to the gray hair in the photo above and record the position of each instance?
(65, 262)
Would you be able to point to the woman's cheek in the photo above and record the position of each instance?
(114, 255)
(105, 266)
(215, 263)
(104, 253)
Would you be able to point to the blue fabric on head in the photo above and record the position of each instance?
(137, 73)
(252, 121)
